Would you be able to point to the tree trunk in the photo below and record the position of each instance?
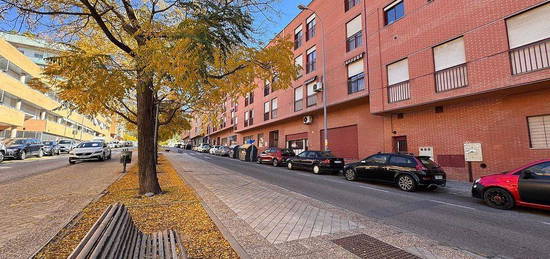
(148, 181)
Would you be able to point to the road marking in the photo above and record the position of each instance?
(205, 157)
(546, 223)
(358, 185)
(372, 188)
(452, 204)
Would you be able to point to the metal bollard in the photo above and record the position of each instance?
(125, 158)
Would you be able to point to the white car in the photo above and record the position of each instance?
(213, 150)
(90, 151)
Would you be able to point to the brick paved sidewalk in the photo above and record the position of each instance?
(267, 221)
(34, 209)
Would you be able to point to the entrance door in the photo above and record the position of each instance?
(342, 142)
(274, 138)
(400, 144)
(535, 187)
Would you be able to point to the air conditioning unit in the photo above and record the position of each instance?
(318, 87)
(308, 120)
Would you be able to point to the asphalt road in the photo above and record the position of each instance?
(13, 170)
(448, 215)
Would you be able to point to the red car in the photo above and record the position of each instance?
(275, 156)
(527, 186)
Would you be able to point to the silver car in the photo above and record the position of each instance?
(90, 151)
(66, 145)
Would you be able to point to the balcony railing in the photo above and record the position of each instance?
(399, 92)
(529, 58)
(451, 78)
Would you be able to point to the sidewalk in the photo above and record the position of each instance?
(35, 208)
(266, 221)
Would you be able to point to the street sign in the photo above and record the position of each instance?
(473, 152)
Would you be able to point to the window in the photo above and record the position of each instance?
(529, 27)
(298, 98)
(267, 88)
(248, 118)
(274, 107)
(310, 27)
(261, 142)
(248, 139)
(311, 97)
(354, 33)
(356, 77)
(398, 72)
(377, 159)
(311, 60)
(350, 4)
(266, 111)
(251, 98)
(542, 169)
(394, 12)
(298, 35)
(449, 54)
(539, 131)
(299, 62)
(38, 55)
(402, 161)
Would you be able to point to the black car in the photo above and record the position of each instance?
(317, 161)
(22, 148)
(51, 148)
(407, 171)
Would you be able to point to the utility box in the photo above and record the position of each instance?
(126, 157)
(248, 153)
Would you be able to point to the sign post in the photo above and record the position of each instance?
(472, 153)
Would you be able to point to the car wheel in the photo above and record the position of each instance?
(71, 161)
(110, 156)
(259, 161)
(1, 157)
(406, 183)
(350, 175)
(40, 153)
(22, 155)
(498, 198)
(275, 162)
(289, 166)
(316, 169)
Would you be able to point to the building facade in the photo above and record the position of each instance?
(466, 82)
(27, 113)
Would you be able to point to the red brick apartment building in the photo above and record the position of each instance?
(421, 76)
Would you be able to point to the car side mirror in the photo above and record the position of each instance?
(363, 161)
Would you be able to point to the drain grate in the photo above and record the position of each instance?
(366, 246)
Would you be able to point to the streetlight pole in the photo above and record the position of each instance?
(323, 81)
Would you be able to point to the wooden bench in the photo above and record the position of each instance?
(114, 235)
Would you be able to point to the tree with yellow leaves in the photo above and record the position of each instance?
(154, 62)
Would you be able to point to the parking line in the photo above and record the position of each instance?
(452, 204)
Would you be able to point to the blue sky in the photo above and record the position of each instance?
(285, 11)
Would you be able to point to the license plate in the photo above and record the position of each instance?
(439, 177)
(337, 162)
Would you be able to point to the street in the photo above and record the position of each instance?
(448, 215)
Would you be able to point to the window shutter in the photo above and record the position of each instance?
(355, 68)
(354, 26)
(310, 88)
(449, 54)
(297, 30)
(274, 104)
(528, 27)
(311, 18)
(392, 5)
(398, 72)
(299, 93)
(312, 49)
(539, 131)
(266, 107)
(246, 116)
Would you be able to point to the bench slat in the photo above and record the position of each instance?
(113, 242)
(105, 236)
(88, 242)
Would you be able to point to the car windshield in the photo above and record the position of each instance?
(19, 141)
(90, 144)
(65, 142)
(48, 143)
(326, 154)
(427, 162)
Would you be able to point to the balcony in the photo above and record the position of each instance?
(11, 117)
(399, 92)
(531, 57)
(451, 78)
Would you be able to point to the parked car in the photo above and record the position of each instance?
(51, 148)
(275, 156)
(23, 148)
(223, 151)
(527, 186)
(97, 150)
(409, 172)
(317, 161)
(114, 144)
(204, 148)
(66, 145)
(213, 150)
(2, 151)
